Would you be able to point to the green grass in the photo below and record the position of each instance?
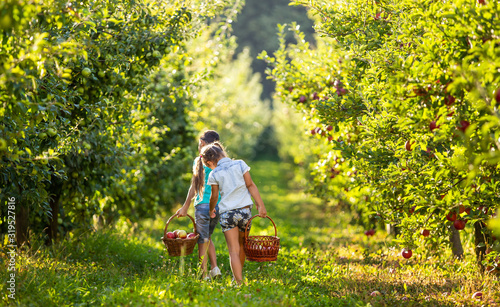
(324, 261)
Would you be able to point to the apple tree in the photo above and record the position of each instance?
(410, 90)
(78, 112)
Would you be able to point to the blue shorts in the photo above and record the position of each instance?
(204, 224)
(236, 218)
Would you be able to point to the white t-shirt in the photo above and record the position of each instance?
(228, 175)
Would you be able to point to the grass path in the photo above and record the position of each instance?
(324, 261)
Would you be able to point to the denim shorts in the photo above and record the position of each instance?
(236, 218)
(204, 224)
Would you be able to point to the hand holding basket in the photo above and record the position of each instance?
(180, 247)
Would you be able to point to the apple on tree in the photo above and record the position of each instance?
(406, 253)
(459, 224)
(433, 125)
(408, 145)
(86, 72)
(51, 132)
(452, 216)
(370, 232)
(463, 125)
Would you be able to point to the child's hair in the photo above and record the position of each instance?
(209, 137)
(211, 152)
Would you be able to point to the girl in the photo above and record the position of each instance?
(205, 225)
(233, 180)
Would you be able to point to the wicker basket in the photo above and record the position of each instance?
(180, 247)
(261, 248)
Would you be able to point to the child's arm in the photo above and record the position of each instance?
(184, 209)
(254, 191)
(213, 199)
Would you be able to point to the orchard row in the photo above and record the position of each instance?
(98, 106)
(402, 99)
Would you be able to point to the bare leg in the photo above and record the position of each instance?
(233, 245)
(242, 250)
(211, 255)
(202, 250)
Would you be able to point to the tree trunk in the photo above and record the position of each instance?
(55, 191)
(456, 243)
(392, 230)
(480, 240)
(53, 224)
(22, 224)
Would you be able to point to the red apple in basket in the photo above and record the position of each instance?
(171, 235)
(182, 234)
(191, 235)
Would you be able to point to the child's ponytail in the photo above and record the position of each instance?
(198, 181)
(212, 153)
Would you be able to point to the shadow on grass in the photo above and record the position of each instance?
(337, 285)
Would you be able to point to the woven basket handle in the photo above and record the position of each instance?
(168, 222)
(246, 229)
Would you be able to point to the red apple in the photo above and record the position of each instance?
(425, 232)
(477, 295)
(412, 209)
(329, 128)
(176, 233)
(463, 125)
(191, 235)
(313, 131)
(406, 253)
(497, 96)
(459, 224)
(452, 216)
(302, 99)
(408, 145)
(341, 91)
(420, 91)
(461, 209)
(433, 125)
(449, 100)
(182, 234)
(315, 96)
(370, 232)
(171, 235)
